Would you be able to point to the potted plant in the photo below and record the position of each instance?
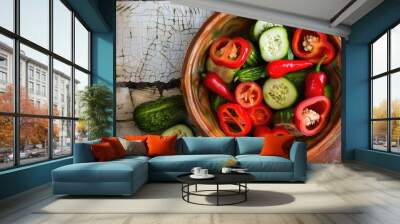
(96, 104)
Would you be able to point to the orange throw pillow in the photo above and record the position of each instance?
(135, 137)
(161, 145)
(116, 145)
(277, 145)
(103, 152)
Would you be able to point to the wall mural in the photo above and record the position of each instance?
(191, 71)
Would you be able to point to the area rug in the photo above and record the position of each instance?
(166, 198)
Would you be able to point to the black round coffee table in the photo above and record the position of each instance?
(238, 179)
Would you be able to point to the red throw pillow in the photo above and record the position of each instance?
(161, 145)
(277, 145)
(116, 145)
(103, 152)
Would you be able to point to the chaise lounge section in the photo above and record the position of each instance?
(125, 176)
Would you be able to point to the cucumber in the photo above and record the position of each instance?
(254, 57)
(251, 74)
(155, 116)
(328, 92)
(180, 130)
(298, 79)
(279, 93)
(259, 27)
(226, 74)
(274, 44)
(284, 118)
(217, 101)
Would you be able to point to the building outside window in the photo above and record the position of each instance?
(385, 94)
(58, 128)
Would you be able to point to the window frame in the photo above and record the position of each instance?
(16, 114)
(388, 74)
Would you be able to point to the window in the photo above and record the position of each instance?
(42, 123)
(385, 95)
(30, 87)
(7, 14)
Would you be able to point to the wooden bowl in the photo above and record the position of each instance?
(196, 96)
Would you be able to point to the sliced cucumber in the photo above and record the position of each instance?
(274, 44)
(259, 27)
(279, 93)
(180, 130)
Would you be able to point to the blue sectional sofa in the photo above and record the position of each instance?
(125, 176)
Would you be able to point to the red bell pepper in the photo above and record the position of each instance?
(214, 83)
(311, 115)
(260, 115)
(279, 68)
(233, 120)
(316, 82)
(261, 131)
(312, 46)
(231, 53)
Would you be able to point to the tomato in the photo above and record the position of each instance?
(311, 115)
(261, 131)
(233, 120)
(260, 115)
(248, 94)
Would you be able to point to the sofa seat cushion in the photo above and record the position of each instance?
(257, 163)
(185, 163)
(113, 171)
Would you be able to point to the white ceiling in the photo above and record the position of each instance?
(329, 16)
(321, 9)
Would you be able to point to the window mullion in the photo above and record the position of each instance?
(389, 101)
(73, 81)
(50, 81)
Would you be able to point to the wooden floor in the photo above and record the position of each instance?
(377, 188)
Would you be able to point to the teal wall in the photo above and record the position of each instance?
(355, 130)
(99, 15)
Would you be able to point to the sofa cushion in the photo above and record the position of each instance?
(113, 171)
(83, 152)
(103, 152)
(208, 145)
(249, 145)
(185, 163)
(257, 163)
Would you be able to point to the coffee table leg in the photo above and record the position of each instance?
(245, 193)
(195, 188)
(217, 194)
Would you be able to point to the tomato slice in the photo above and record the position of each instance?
(260, 115)
(261, 131)
(233, 120)
(248, 94)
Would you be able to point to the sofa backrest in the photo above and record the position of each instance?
(83, 152)
(249, 145)
(207, 145)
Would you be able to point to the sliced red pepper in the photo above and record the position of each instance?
(310, 115)
(261, 131)
(260, 115)
(315, 82)
(279, 68)
(234, 120)
(248, 94)
(312, 46)
(214, 83)
(231, 53)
